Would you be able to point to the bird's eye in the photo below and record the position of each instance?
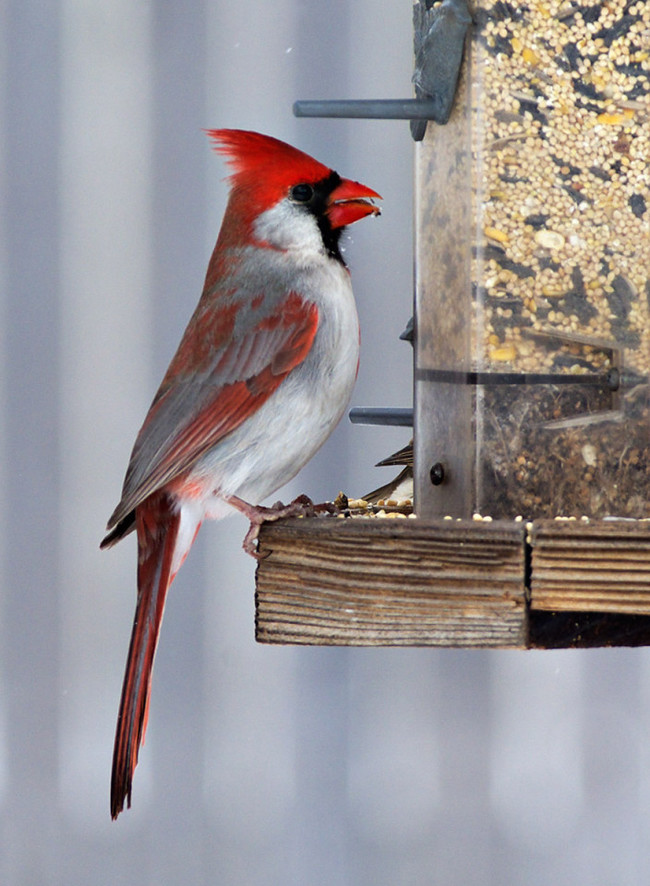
(301, 193)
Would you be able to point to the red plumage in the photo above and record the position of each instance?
(250, 153)
(157, 526)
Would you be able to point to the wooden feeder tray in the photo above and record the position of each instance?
(501, 584)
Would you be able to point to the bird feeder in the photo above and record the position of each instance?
(531, 350)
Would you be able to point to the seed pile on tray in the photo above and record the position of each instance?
(360, 507)
(561, 267)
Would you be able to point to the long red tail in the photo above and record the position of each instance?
(157, 523)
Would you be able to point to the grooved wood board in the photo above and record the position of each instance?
(601, 566)
(392, 582)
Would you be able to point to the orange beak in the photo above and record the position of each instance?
(349, 202)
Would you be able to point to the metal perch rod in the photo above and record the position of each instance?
(379, 109)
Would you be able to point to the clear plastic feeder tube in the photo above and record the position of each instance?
(533, 257)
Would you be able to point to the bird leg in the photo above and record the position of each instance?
(302, 506)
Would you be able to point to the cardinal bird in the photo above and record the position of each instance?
(261, 377)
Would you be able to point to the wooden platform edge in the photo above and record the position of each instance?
(599, 566)
(368, 582)
(406, 582)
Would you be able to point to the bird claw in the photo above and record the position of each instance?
(302, 506)
(251, 541)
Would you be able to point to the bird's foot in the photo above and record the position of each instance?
(302, 506)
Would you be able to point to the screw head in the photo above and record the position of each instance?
(437, 473)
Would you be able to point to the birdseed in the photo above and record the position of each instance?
(559, 104)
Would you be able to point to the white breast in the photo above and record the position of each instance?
(271, 446)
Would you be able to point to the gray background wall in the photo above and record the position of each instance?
(262, 765)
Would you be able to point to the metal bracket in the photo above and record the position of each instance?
(439, 40)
